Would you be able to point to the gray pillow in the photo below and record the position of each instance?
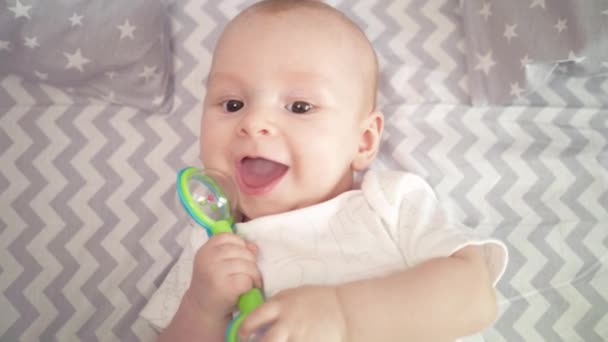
(537, 52)
(117, 51)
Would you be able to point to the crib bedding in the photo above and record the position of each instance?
(89, 227)
(537, 52)
(110, 50)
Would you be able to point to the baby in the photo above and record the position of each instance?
(290, 114)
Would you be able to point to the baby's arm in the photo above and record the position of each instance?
(190, 324)
(224, 268)
(439, 300)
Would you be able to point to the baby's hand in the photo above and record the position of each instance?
(224, 268)
(308, 313)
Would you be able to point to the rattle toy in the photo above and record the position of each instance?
(206, 196)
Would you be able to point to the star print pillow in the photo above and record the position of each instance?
(111, 50)
(537, 52)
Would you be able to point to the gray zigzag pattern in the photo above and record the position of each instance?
(423, 150)
(106, 262)
(391, 28)
(562, 89)
(57, 247)
(572, 93)
(5, 144)
(390, 141)
(510, 218)
(33, 226)
(596, 87)
(470, 175)
(583, 179)
(6, 100)
(589, 322)
(538, 237)
(507, 324)
(416, 46)
(451, 10)
(220, 20)
(600, 124)
(187, 103)
(131, 241)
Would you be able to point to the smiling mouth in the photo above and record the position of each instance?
(256, 176)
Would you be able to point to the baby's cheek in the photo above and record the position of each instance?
(213, 153)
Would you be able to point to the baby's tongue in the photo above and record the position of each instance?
(260, 172)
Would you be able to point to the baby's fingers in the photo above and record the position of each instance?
(243, 274)
(262, 317)
(230, 251)
(226, 238)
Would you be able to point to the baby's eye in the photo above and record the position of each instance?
(232, 106)
(299, 107)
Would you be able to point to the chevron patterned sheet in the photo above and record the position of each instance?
(88, 222)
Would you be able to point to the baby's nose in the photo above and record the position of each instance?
(256, 124)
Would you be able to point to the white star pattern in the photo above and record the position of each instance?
(486, 10)
(561, 25)
(41, 75)
(525, 61)
(76, 60)
(76, 20)
(486, 62)
(5, 45)
(20, 10)
(157, 100)
(510, 32)
(110, 97)
(31, 42)
(575, 58)
(605, 64)
(110, 74)
(605, 12)
(538, 3)
(516, 90)
(148, 73)
(126, 30)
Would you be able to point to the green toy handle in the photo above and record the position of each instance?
(250, 300)
(195, 205)
(247, 302)
(221, 227)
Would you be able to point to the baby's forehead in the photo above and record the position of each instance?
(318, 23)
(306, 12)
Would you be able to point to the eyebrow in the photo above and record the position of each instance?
(221, 76)
(300, 76)
(301, 82)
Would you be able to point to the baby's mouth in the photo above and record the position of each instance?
(259, 175)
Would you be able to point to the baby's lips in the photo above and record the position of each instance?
(258, 173)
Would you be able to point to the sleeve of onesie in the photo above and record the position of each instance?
(166, 300)
(427, 232)
(423, 230)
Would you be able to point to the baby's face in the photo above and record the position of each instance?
(284, 112)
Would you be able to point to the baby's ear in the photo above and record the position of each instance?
(369, 140)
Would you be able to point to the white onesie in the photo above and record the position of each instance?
(391, 223)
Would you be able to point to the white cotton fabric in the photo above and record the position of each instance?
(392, 222)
